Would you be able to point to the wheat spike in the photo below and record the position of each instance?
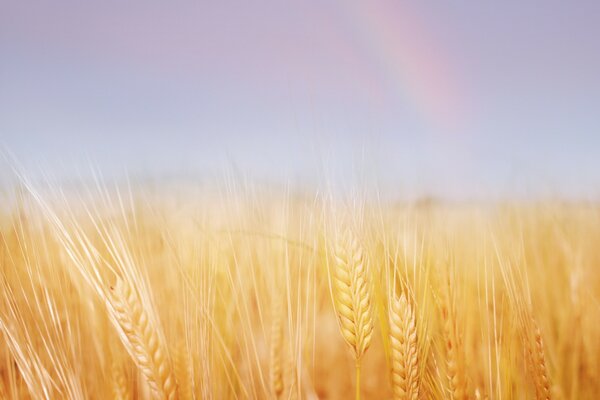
(119, 382)
(142, 340)
(352, 297)
(542, 382)
(403, 335)
(275, 369)
(183, 372)
(457, 382)
(290, 373)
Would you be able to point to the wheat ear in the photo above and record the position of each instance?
(275, 367)
(541, 380)
(403, 335)
(183, 372)
(119, 382)
(457, 382)
(290, 374)
(352, 297)
(141, 338)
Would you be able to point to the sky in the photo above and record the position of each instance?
(450, 99)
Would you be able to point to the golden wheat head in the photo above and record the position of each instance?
(455, 369)
(275, 368)
(403, 335)
(142, 340)
(540, 371)
(352, 295)
(119, 382)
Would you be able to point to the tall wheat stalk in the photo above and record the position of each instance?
(352, 298)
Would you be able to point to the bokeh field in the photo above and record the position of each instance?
(130, 294)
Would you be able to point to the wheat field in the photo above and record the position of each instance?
(198, 294)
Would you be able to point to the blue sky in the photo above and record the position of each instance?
(460, 100)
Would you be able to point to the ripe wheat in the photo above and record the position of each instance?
(403, 335)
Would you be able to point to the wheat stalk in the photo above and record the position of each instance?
(352, 298)
(403, 335)
(141, 339)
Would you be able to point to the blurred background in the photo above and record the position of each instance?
(464, 100)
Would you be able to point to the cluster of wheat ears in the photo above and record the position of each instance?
(123, 294)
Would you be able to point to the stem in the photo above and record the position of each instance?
(357, 380)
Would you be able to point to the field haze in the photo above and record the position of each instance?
(130, 294)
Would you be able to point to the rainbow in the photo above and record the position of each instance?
(408, 60)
